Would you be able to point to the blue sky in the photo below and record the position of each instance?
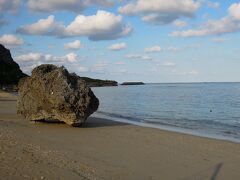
(150, 41)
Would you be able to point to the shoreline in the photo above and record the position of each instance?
(170, 129)
(105, 149)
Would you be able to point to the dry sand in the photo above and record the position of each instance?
(104, 149)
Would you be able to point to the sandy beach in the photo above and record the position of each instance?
(104, 149)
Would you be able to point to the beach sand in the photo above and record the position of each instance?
(104, 149)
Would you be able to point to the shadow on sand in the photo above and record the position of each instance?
(216, 171)
(204, 174)
(92, 122)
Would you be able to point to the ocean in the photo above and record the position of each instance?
(203, 109)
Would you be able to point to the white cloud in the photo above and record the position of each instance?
(185, 47)
(153, 49)
(29, 57)
(185, 73)
(219, 40)
(29, 61)
(83, 69)
(73, 45)
(193, 72)
(133, 56)
(173, 49)
(146, 57)
(10, 40)
(43, 26)
(234, 11)
(36, 57)
(99, 67)
(217, 27)
(11, 6)
(63, 5)
(120, 63)
(119, 72)
(214, 5)
(138, 57)
(102, 26)
(228, 24)
(191, 46)
(71, 57)
(179, 23)
(167, 64)
(157, 19)
(117, 47)
(161, 12)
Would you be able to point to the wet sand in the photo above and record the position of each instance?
(104, 149)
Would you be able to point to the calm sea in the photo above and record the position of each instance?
(204, 109)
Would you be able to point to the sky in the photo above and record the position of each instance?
(140, 40)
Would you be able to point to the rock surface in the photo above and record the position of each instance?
(10, 73)
(52, 93)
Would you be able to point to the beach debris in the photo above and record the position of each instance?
(52, 93)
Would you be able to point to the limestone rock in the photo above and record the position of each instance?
(52, 93)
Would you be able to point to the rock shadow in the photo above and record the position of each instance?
(92, 122)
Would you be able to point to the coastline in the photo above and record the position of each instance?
(105, 149)
(162, 127)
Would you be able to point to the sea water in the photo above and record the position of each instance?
(204, 109)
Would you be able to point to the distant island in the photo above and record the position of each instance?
(10, 73)
(132, 83)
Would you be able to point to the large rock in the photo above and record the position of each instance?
(52, 93)
(10, 73)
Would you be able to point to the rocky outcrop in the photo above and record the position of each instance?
(132, 83)
(98, 82)
(10, 72)
(52, 93)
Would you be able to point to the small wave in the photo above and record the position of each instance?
(120, 116)
(216, 130)
(230, 132)
(178, 122)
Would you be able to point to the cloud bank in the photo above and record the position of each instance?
(10, 40)
(75, 45)
(63, 5)
(227, 24)
(10, 6)
(102, 26)
(160, 12)
(117, 47)
(39, 57)
(153, 49)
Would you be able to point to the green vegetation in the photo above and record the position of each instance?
(132, 83)
(98, 82)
